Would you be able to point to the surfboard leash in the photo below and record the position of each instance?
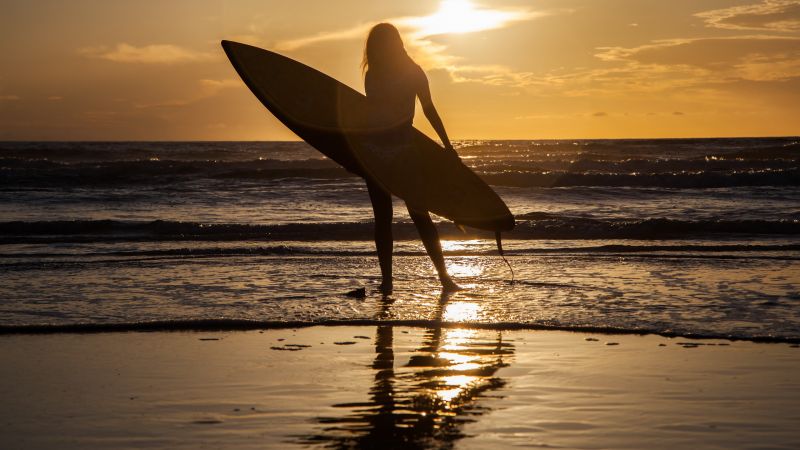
(502, 255)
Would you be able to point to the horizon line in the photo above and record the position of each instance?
(455, 140)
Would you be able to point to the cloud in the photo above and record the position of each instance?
(622, 80)
(495, 75)
(712, 60)
(769, 15)
(9, 98)
(600, 114)
(55, 98)
(217, 85)
(356, 32)
(688, 68)
(165, 104)
(207, 88)
(147, 54)
(453, 17)
(769, 67)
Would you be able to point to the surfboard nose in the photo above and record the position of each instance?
(229, 46)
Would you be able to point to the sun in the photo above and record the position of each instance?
(461, 16)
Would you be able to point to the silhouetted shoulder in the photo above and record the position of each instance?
(418, 72)
(419, 77)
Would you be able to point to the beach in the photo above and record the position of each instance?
(195, 294)
(395, 387)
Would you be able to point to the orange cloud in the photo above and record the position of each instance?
(147, 54)
(756, 58)
(213, 86)
(208, 88)
(453, 17)
(769, 15)
(356, 32)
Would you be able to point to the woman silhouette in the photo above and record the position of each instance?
(392, 82)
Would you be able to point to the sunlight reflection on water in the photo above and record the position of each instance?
(426, 386)
(461, 312)
(461, 245)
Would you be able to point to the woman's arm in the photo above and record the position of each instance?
(424, 94)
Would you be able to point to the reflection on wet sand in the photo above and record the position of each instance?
(424, 402)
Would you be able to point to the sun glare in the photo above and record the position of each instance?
(461, 312)
(461, 16)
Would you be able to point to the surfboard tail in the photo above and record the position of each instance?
(499, 241)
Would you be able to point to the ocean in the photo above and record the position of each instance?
(691, 237)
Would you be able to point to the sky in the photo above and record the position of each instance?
(536, 69)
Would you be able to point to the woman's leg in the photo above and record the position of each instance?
(430, 238)
(382, 210)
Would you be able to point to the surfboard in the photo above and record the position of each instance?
(330, 116)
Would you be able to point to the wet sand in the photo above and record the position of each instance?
(395, 387)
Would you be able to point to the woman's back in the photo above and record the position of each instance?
(392, 94)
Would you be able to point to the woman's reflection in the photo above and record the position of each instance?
(425, 402)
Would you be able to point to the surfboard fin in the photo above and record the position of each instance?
(500, 250)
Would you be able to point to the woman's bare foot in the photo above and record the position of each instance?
(385, 288)
(448, 285)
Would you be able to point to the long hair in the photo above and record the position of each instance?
(384, 49)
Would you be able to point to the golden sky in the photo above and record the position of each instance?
(154, 70)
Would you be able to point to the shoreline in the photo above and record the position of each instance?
(232, 325)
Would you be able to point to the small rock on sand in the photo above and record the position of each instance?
(591, 339)
(357, 293)
(690, 344)
(207, 422)
(360, 337)
(344, 343)
(612, 343)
